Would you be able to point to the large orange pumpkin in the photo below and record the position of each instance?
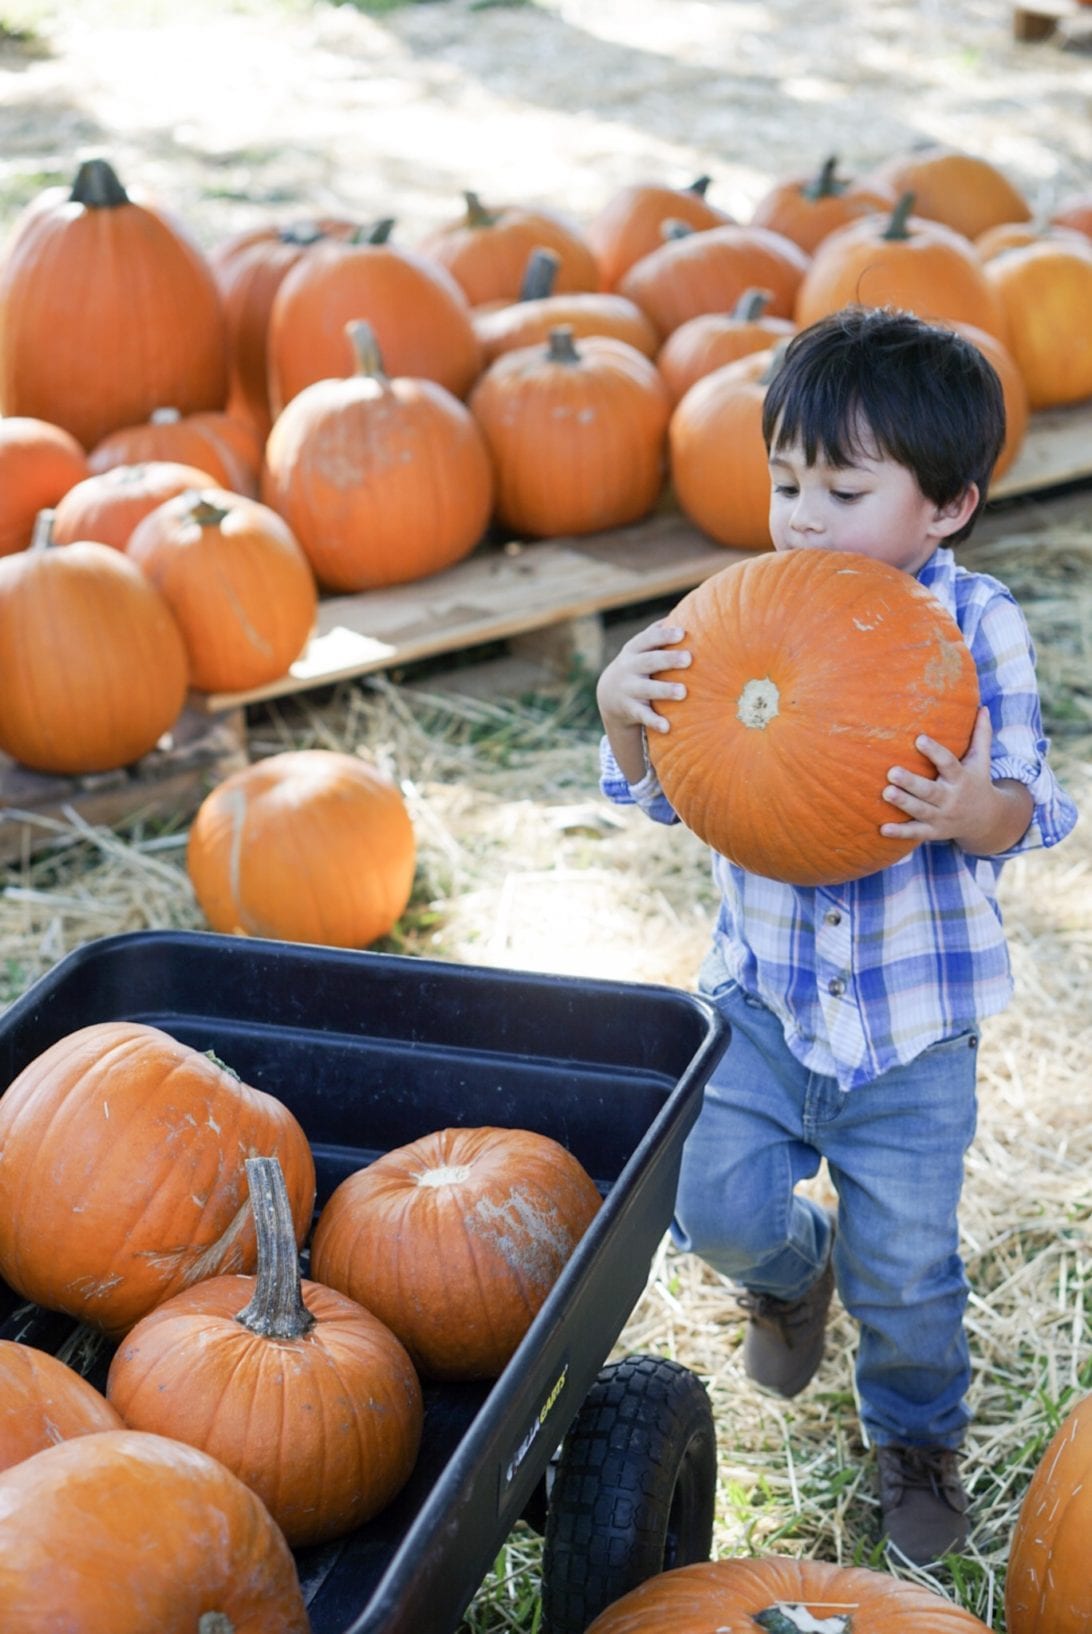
(43, 1401)
(39, 463)
(224, 445)
(1048, 1586)
(106, 312)
(121, 1172)
(813, 672)
(808, 208)
(298, 1390)
(486, 249)
(235, 578)
(305, 846)
(381, 478)
(782, 1596)
(106, 507)
(630, 225)
(92, 664)
(712, 339)
(122, 1532)
(719, 466)
(961, 190)
(417, 312)
(577, 434)
(901, 260)
(455, 1240)
(1045, 292)
(709, 271)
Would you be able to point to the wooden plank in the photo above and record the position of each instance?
(501, 593)
(168, 783)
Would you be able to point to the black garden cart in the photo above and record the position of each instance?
(615, 1462)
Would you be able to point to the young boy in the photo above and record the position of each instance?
(854, 1009)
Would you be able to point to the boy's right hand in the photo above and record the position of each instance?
(629, 685)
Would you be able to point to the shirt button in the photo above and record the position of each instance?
(836, 986)
(832, 917)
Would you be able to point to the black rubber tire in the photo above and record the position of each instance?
(633, 1491)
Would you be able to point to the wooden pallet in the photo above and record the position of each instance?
(169, 783)
(1063, 21)
(548, 597)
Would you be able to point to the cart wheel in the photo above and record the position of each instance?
(633, 1490)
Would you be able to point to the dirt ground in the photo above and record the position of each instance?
(245, 110)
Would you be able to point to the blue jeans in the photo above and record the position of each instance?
(894, 1150)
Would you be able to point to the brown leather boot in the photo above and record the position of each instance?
(923, 1503)
(783, 1345)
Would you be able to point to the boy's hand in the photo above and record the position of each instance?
(629, 685)
(962, 803)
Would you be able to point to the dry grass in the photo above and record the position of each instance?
(521, 864)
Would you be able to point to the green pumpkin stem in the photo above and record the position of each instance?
(827, 184)
(751, 305)
(540, 274)
(674, 228)
(476, 213)
(42, 536)
(97, 186)
(276, 1309)
(700, 186)
(374, 232)
(896, 228)
(367, 358)
(560, 347)
(207, 514)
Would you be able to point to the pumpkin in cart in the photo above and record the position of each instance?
(122, 1532)
(455, 1241)
(719, 467)
(92, 664)
(44, 1401)
(305, 846)
(778, 755)
(39, 463)
(299, 1391)
(1048, 1587)
(383, 479)
(122, 1175)
(781, 1596)
(107, 310)
(235, 578)
(577, 434)
(712, 339)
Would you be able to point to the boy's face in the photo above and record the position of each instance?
(873, 507)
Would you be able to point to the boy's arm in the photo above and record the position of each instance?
(962, 804)
(627, 688)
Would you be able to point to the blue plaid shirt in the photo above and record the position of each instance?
(865, 975)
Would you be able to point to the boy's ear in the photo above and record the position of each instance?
(953, 516)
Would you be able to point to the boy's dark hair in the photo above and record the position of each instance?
(924, 396)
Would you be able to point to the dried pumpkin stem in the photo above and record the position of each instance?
(560, 347)
(97, 187)
(214, 1622)
(752, 304)
(540, 274)
(896, 228)
(827, 184)
(276, 1310)
(42, 536)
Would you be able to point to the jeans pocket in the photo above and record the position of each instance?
(959, 1041)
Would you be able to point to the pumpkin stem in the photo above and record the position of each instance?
(540, 274)
(97, 186)
(827, 184)
(367, 358)
(216, 1061)
(276, 1309)
(896, 228)
(751, 305)
(798, 1619)
(700, 186)
(674, 228)
(301, 232)
(214, 1622)
(560, 347)
(204, 511)
(476, 213)
(777, 358)
(375, 232)
(42, 536)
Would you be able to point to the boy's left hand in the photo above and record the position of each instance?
(961, 803)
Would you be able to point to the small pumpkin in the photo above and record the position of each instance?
(962, 190)
(781, 1596)
(712, 339)
(235, 578)
(1013, 390)
(43, 1401)
(528, 321)
(299, 1391)
(720, 470)
(39, 463)
(1045, 293)
(577, 434)
(1048, 1589)
(382, 478)
(122, 1532)
(106, 507)
(630, 225)
(808, 208)
(455, 1241)
(224, 445)
(902, 260)
(816, 660)
(92, 664)
(309, 845)
(122, 1180)
(693, 273)
(107, 310)
(414, 307)
(486, 249)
